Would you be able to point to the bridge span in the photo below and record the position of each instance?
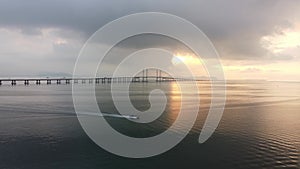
(144, 78)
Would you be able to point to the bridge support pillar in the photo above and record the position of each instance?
(13, 82)
(38, 82)
(26, 82)
(97, 80)
(48, 82)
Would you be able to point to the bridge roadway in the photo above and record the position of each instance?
(96, 80)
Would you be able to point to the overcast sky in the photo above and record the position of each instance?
(257, 39)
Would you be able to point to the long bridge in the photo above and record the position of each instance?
(144, 78)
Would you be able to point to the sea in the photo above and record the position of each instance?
(260, 127)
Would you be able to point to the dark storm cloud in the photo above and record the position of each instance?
(86, 16)
(234, 26)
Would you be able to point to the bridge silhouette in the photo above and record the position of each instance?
(143, 78)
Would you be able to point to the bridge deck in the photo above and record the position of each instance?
(96, 80)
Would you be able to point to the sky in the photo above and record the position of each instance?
(255, 39)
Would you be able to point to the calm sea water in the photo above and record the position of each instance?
(260, 128)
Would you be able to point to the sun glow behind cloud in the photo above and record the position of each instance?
(186, 58)
(190, 60)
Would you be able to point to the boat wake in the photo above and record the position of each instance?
(109, 115)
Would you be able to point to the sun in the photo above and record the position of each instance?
(185, 58)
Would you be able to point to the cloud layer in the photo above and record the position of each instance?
(47, 35)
